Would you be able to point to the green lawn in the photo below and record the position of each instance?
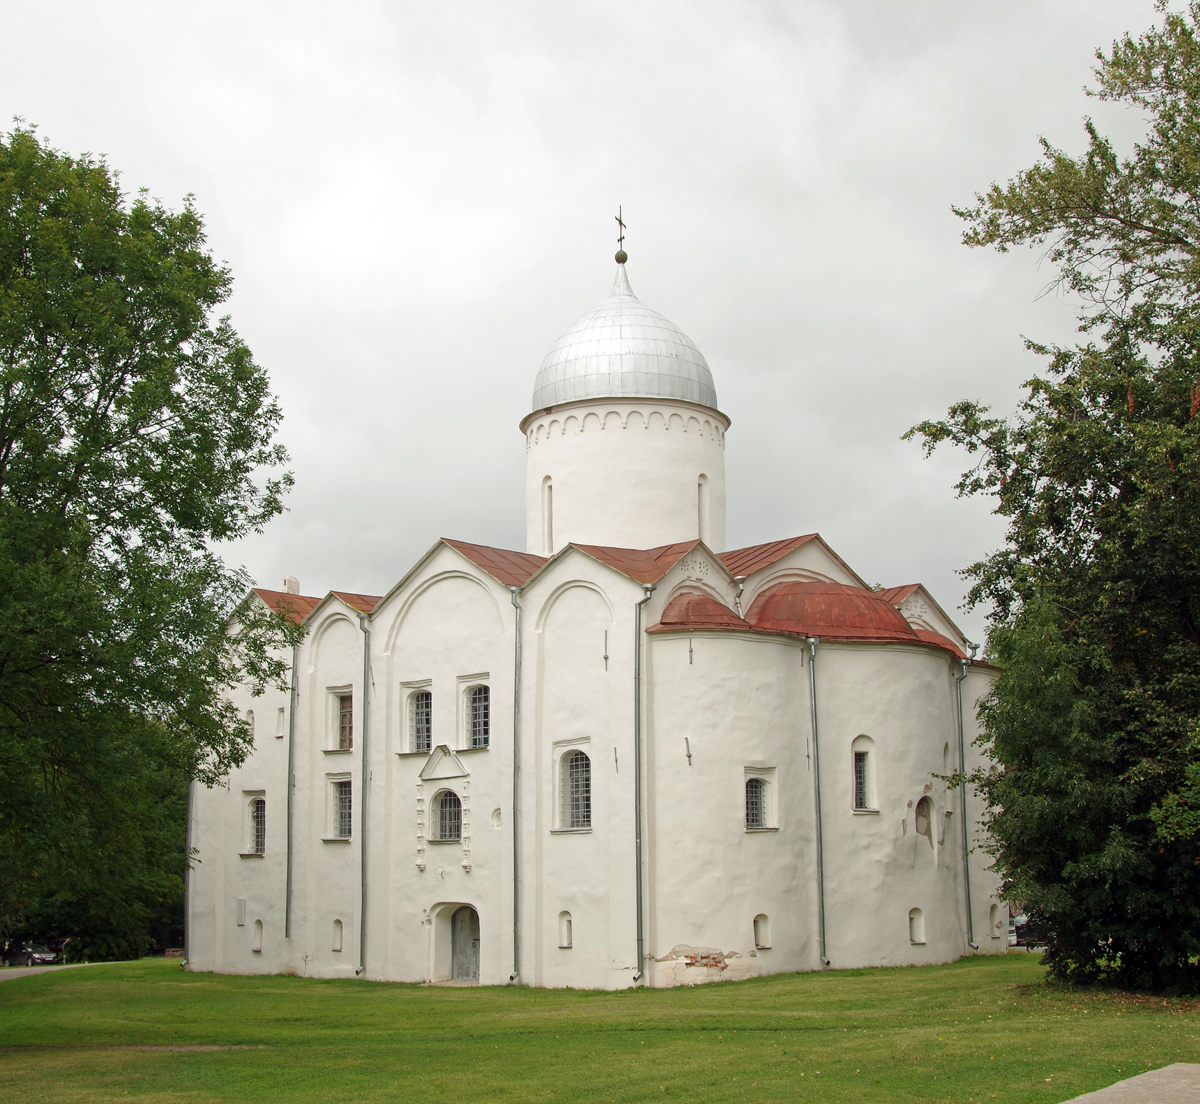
(980, 1029)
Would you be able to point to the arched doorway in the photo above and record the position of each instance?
(464, 945)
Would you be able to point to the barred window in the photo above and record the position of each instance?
(341, 808)
(480, 718)
(448, 810)
(420, 720)
(576, 790)
(345, 721)
(860, 780)
(258, 826)
(756, 803)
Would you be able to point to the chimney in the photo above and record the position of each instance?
(291, 585)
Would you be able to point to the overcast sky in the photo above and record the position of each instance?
(417, 198)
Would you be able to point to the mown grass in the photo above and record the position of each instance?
(980, 1029)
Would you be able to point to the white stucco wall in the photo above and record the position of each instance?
(625, 473)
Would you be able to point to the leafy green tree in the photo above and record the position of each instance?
(135, 431)
(1095, 817)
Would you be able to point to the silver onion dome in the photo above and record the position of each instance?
(623, 348)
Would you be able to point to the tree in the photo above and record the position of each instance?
(135, 432)
(1095, 817)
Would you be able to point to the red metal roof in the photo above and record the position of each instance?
(896, 595)
(690, 610)
(746, 561)
(295, 607)
(829, 610)
(642, 565)
(931, 637)
(364, 603)
(509, 568)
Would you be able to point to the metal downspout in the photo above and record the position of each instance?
(291, 786)
(516, 794)
(187, 880)
(812, 642)
(962, 801)
(362, 805)
(649, 588)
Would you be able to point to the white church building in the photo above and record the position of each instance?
(625, 756)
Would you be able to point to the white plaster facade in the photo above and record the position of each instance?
(624, 633)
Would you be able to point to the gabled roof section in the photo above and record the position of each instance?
(364, 603)
(509, 568)
(642, 565)
(693, 610)
(896, 595)
(746, 561)
(295, 607)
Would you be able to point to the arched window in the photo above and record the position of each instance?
(547, 517)
(762, 932)
(564, 929)
(447, 810)
(257, 944)
(420, 720)
(756, 803)
(862, 778)
(924, 819)
(702, 509)
(258, 825)
(250, 721)
(479, 716)
(576, 790)
(337, 935)
(916, 926)
(994, 924)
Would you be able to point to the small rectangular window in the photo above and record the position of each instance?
(341, 808)
(258, 826)
(345, 722)
(756, 803)
(421, 720)
(280, 722)
(860, 780)
(480, 725)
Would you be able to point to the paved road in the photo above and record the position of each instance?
(1176, 1084)
(10, 972)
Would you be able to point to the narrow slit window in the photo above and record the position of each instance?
(421, 720)
(342, 808)
(576, 790)
(480, 716)
(449, 816)
(258, 826)
(565, 939)
(756, 803)
(860, 780)
(345, 722)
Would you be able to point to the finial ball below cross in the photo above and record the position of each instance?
(622, 256)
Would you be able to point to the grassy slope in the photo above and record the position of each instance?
(981, 1029)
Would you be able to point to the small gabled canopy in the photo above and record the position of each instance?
(443, 763)
(692, 610)
(294, 607)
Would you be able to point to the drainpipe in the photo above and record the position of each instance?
(812, 642)
(291, 785)
(362, 801)
(962, 803)
(649, 589)
(516, 795)
(187, 880)
(740, 582)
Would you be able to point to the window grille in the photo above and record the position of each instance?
(481, 716)
(449, 816)
(860, 780)
(258, 825)
(345, 722)
(756, 803)
(576, 790)
(341, 808)
(421, 721)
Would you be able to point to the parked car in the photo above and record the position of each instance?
(29, 954)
